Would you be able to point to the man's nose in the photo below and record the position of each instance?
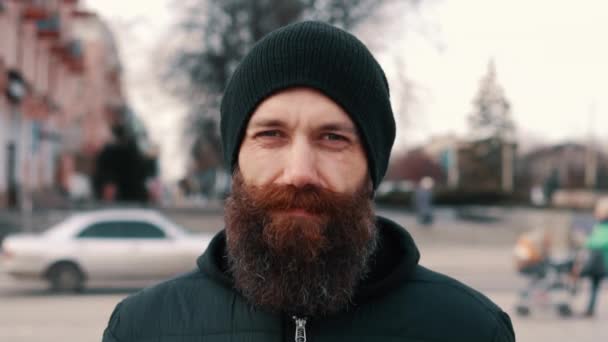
(300, 167)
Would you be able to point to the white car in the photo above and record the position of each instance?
(110, 244)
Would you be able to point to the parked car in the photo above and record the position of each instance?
(109, 244)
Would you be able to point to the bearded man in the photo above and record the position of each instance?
(307, 129)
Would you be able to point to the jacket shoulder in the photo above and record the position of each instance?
(452, 288)
(166, 308)
(460, 307)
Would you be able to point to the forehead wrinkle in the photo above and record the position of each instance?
(294, 108)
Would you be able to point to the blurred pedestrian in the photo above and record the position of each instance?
(550, 186)
(307, 130)
(424, 201)
(597, 244)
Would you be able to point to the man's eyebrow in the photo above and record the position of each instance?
(340, 127)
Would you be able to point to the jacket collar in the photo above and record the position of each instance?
(391, 265)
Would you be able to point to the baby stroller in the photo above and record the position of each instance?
(551, 285)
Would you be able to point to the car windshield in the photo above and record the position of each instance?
(177, 228)
(58, 228)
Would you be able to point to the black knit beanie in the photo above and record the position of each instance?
(323, 57)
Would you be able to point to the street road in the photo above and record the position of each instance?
(28, 312)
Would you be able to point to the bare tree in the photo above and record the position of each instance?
(217, 35)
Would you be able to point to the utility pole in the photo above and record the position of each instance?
(453, 167)
(591, 155)
(507, 166)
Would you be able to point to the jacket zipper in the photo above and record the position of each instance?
(300, 329)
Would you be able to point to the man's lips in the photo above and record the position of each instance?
(298, 212)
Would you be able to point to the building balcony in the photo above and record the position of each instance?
(34, 11)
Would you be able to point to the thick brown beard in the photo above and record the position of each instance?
(307, 266)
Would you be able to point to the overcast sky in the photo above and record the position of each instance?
(550, 55)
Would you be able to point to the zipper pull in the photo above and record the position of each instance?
(300, 329)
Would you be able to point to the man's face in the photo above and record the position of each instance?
(299, 221)
(301, 137)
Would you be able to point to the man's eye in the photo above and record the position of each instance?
(273, 133)
(334, 137)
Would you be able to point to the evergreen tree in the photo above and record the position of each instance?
(491, 117)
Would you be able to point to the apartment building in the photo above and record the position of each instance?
(60, 82)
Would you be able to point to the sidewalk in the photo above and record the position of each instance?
(509, 223)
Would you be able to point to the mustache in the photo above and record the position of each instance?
(313, 199)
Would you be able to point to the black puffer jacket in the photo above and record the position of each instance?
(400, 301)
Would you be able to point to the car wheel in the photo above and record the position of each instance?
(66, 277)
